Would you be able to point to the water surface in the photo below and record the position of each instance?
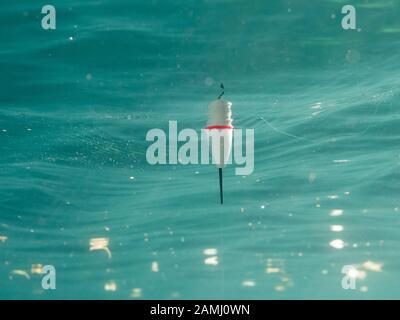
(76, 104)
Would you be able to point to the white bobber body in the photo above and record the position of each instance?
(220, 119)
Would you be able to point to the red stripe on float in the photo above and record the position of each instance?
(219, 127)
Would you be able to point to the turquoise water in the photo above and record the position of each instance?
(76, 104)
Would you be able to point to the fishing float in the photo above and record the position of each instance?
(220, 119)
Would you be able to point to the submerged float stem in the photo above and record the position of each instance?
(221, 193)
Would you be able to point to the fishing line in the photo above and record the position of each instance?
(369, 125)
(284, 132)
(312, 141)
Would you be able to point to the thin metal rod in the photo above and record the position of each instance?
(221, 193)
(223, 91)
